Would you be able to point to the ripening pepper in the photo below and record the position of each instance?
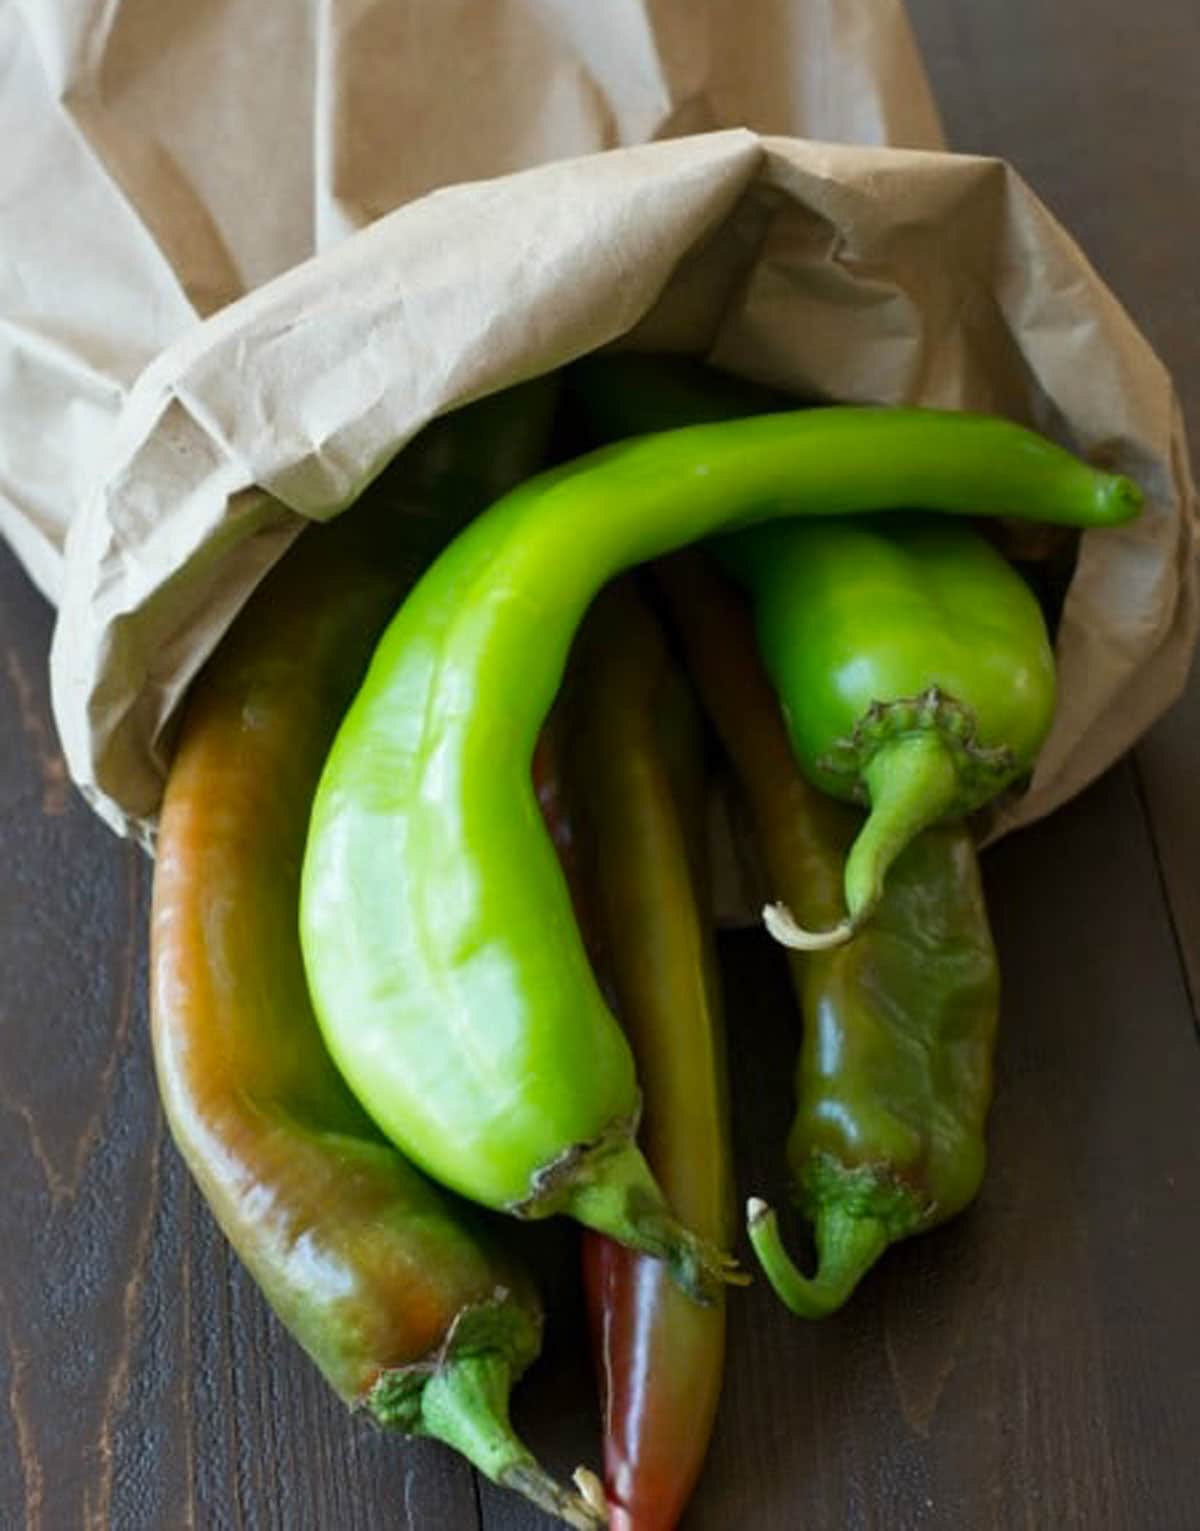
(410, 1310)
(447, 973)
(637, 778)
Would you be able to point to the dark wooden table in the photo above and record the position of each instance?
(1036, 1365)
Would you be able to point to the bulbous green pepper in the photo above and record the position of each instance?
(446, 968)
(915, 672)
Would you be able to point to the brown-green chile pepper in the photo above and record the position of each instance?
(406, 1304)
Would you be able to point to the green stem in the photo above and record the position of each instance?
(465, 1404)
(617, 1195)
(913, 782)
(847, 1247)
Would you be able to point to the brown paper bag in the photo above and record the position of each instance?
(162, 160)
(858, 274)
(161, 174)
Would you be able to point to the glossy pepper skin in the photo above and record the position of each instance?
(408, 1309)
(915, 671)
(447, 973)
(894, 1080)
(638, 780)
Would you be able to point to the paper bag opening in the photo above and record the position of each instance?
(858, 274)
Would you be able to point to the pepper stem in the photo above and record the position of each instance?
(465, 1404)
(912, 782)
(619, 1196)
(847, 1247)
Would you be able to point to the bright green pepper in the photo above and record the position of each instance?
(446, 968)
(915, 671)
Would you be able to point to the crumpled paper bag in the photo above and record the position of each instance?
(161, 160)
(186, 455)
(845, 272)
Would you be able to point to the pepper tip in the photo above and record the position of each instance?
(1128, 498)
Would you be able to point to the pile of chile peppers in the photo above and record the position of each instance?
(465, 1005)
(895, 1074)
(444, 962)
(894, 1078)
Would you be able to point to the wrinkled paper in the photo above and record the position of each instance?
(162, 160)
(850, 271)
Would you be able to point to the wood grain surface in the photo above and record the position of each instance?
(1033, 1367)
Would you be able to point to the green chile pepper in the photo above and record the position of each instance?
(894, 1080)
(407, 1305)
(446, 969)
(915, 671)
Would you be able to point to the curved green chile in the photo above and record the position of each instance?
(411, 1311)
(914, 668)
(446, 969)
(894, 1079)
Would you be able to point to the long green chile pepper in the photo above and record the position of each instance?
(915, 671)
(409, 1309)
(446, 969)
(894, 1081)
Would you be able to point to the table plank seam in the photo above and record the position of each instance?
(1164, 883)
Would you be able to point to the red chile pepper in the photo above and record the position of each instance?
(638, 779)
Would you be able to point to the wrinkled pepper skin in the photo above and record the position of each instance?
(410, 1312)
(914, 669)
(894, 1080)
(639, 779)
(447, 973)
